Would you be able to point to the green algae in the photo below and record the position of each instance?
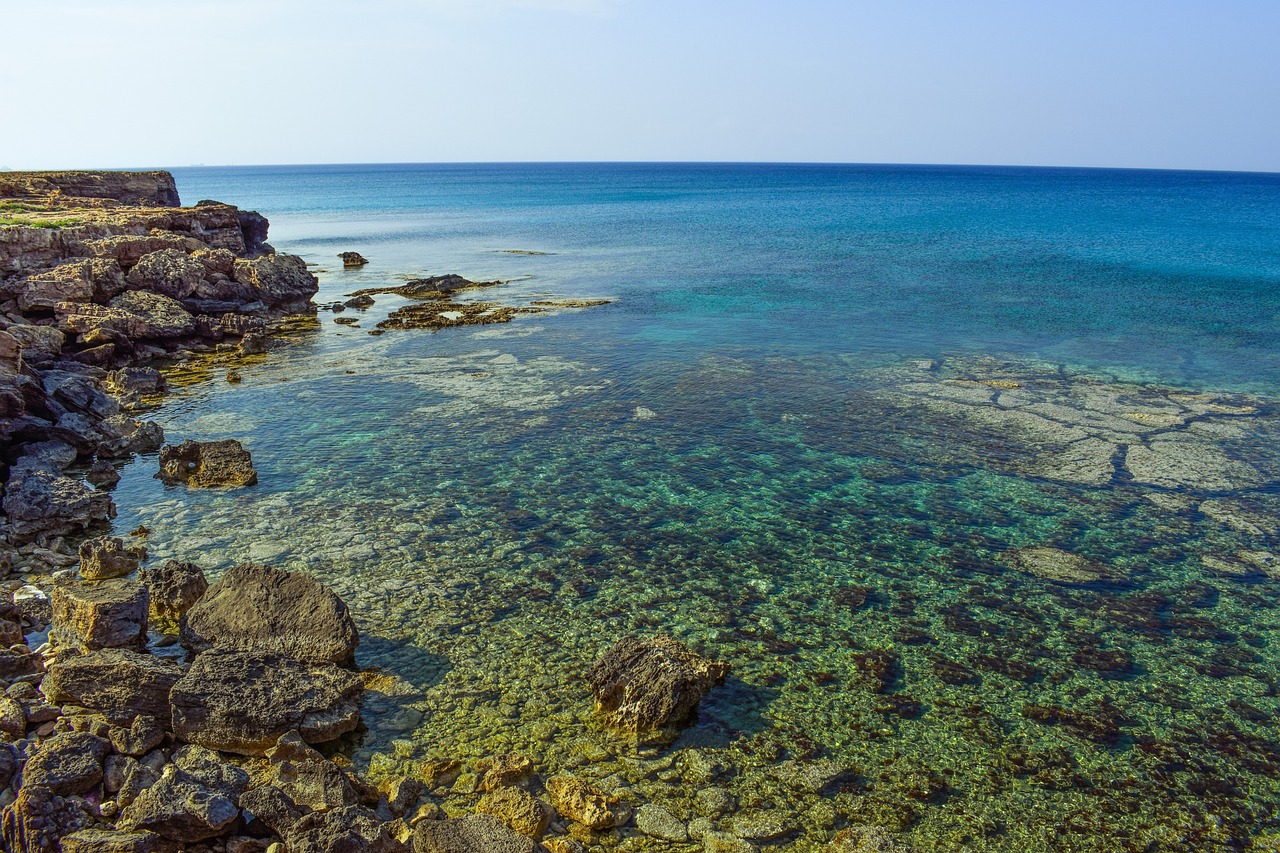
(497, 516)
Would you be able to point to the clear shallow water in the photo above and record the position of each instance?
(731, 452)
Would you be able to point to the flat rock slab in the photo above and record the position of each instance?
(118, 683)
(1054, 564)
(243, 702)
(474, 834)
(207, 463)
(260, 609)
(108, 614)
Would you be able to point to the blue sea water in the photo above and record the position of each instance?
(819, 431)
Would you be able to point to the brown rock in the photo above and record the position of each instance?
(277, 280)
(38, 818)
(207, 463)
(69, 763)
(161, 317)
(474, 834)
(107, 557)
(255, 607)
(108, 614)
(69, 282)
(582, 803)
(518, 809)
(174, 588)
(169, 272)
(503, 771)
(643, 685)
(352, 259)
(115, 841)
(243, 702)
(118, 683)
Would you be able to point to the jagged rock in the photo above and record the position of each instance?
(13, 717)
(583, 803)
(643, 685)
(346, 830)
(169, 272)
(253, 228)
(272, 806)
(138, 777)
(14, 664)
(96, 324)
(128, 249)
(107, 557)
(102, 475)
(256, 343)
(255, 607)
(38, 818)
(123, 436)
(69, 763)
(182, 808)
(276, 280)
(352, 259)
(174, 588)
(503, 771)
(518, 809)
(115, 841)
(40, 344)
(132, 383)
(39, 499)
(215, 261)
(109, 614)
(474, 834)
(242, 702)
(161, 316)
(207, 463)
(118, 683)
(69, 282)
(401, 793)
(8, 764)
(144, 735)
(319, 785)
(134, 188)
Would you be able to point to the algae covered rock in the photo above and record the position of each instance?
(644, 685)
(207, 463)
(518, 809)
(257, 608)
(475, 834)
(243, 702)
(582, 803)
(1055, 564)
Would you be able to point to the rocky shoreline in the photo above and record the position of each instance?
(145, 709)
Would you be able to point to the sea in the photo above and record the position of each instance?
(969, 473)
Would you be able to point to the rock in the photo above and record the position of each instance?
(518, 809)
(15, 664)
(13, 717)
(132, 383)
(69, 282)
(658, 822)
(174, 588)
(180, 807)
(168, 272)
(401, 793)
(144, 735)
(127, 249)
(109, 614)
(115, 770)
(38, 818)
(160, 316)
(761, 826)
(352, 259)
(151, 189)
(40, 344)
(255, 607)
(362, 301)
(866, 839)
(69, 763)
(256, 343)
(138, 778)
(346, 830)
(1054, 564)
(276, 280)
(474, 834)
(1190, 464)
(107, 557)
(713, 801)
(243, 702)
(723, 842)
(39, 500)
(813, 776)
(207, 463)
(8, 764)
(114, 841)
(103, 475)
(119, 684)
(318, 785)
(503, 771)
(642, 685)
(582, 803)
(1244, 517)
(272, 807)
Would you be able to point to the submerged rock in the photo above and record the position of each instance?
(582, 803)
(207, 463)
(243, 702)
(1054, 564)
(643, 685)
(257, 608)
(475, 834)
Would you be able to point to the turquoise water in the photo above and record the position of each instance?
(826, 408)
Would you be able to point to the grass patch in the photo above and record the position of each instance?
(38, 223)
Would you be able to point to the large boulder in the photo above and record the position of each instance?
(174, 587)
(261, 609)
(645, 685)
(36, 820)
(474, 834)
(38, 499)
(69, 763)
(69, 282)
(243, 702)
(117, 683)
(109, 614)
(207, 463)
(276, 280)
(115, 841)
(182, 808)
(346, 830)
(169, 272)
(40, 344)
(161, 316)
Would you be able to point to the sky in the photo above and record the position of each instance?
(161, 83)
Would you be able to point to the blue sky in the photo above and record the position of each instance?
(118, 83)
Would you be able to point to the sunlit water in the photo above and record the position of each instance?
(724, 454)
